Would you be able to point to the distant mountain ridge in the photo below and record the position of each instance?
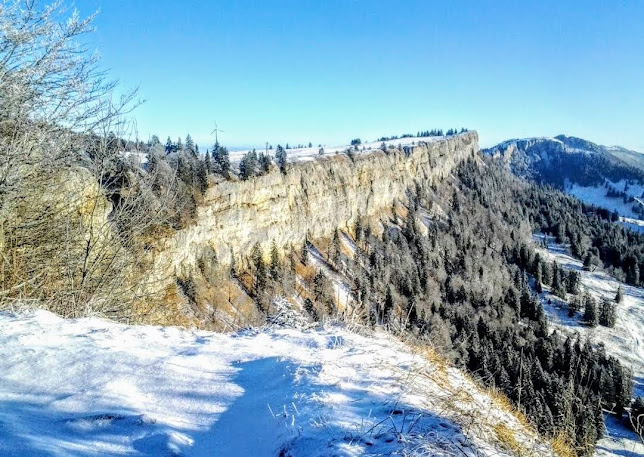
(565, 158)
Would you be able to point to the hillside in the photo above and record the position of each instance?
(563, 158)
(89, 386)
(623, 340)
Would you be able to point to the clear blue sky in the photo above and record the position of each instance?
(328, 71)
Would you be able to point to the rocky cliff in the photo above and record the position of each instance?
(313, 198)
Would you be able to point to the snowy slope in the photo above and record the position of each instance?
(625, 341)
(596, 195)
(90, 387)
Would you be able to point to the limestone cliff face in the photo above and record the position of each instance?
(314, 197)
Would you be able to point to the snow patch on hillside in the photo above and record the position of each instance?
(625, 341)
(91, 387)
(596, 195)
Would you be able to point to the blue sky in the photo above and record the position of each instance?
(328, 71)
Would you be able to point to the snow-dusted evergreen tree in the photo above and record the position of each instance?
(190, 145)
(248, 165)
(619, 296)
(607, 315)
(208, 162)
(280, 156)
(591, 316)
(276, 266)
(221, 159)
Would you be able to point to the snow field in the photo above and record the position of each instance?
(307, 154)
(91, 387)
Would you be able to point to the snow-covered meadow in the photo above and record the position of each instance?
(596, 195)
(307, 154)
(91, 387)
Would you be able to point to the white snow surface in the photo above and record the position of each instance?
(596, 195)
(91, 387)
(625, 341)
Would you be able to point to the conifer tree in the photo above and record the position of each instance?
(276, 266)
(264, 162)
(221, 159)
(590, 311)
(304, 252)
(202, 176)
(574, 305)
(388, 305)
(619, 297)
(607, 315)
(557, 281)
(190, 146)
(257, 258)
(208, 162)
(335, 248)
(572, 284)
(280, 156)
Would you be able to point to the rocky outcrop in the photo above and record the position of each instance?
(312, 199)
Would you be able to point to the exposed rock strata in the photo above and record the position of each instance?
(312, 199)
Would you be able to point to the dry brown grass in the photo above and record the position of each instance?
(306, 272)
(506, 437)
(563, 446)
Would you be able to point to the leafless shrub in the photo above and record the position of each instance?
(76, 217)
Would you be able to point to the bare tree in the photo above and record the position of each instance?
(76, 216)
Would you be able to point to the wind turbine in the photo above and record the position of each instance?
(216, 131)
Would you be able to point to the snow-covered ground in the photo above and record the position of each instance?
(625, 341)
(306, 154)
(91, 387)
(636, 225)
(596, 195)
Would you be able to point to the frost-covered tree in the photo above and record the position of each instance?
(248, 165)
(280, 156)
(208, 162)
(590, 311)
(221, 159)
(190, 145)
(619, 296)
(62, 131)
(572, 284)
(607, 315)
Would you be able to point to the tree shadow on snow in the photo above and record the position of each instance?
(279, 408)
(281, 413)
